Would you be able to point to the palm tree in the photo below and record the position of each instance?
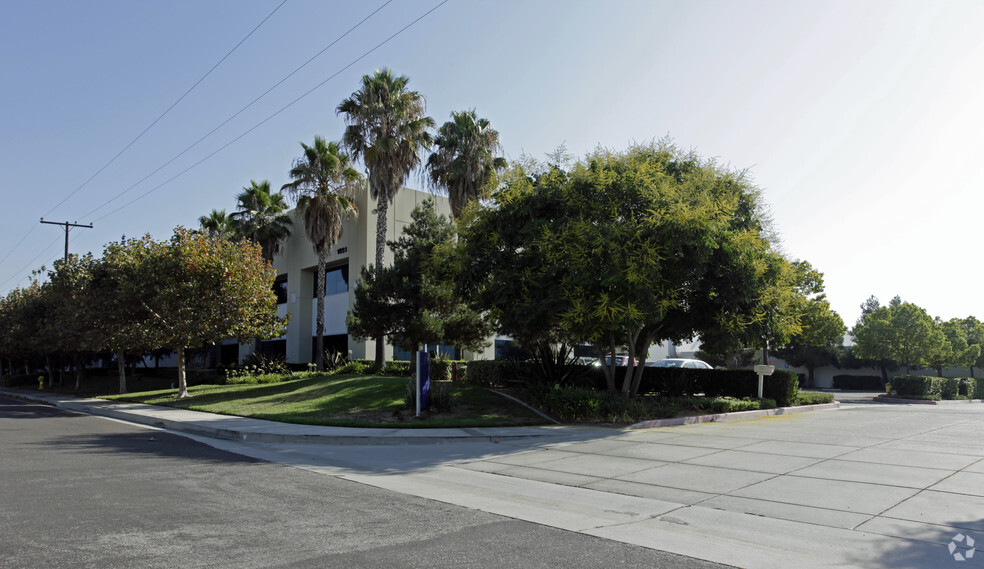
(321, 178)
(262, 217)
(465, 159)
(386, 129)
(217, 225)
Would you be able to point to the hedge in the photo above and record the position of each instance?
(814, 398)
(782, 386)
(858, 382)
(918, 385)
(441, 369)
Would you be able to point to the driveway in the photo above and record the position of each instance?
(868, 485)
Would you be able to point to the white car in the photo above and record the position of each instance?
(681, 362)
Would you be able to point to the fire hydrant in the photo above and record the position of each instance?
(41, 383)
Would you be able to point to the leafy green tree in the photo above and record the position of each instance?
(22, 319)
(415, 301)
(262, 217)
(198, 291)
(387, 129)
(621, 250)
(465, 160)
(821, 336)
(322, 178)
(955, 350)
(973, 330)
(119, 298)
(72, 318)
(902, 332)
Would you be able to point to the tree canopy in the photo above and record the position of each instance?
(620, 250)
(415, 301)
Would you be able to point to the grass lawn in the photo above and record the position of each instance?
(344, 401)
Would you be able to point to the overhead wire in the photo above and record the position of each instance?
(237, 113)
(240, 136)
(143, 132)
(267, 119)
(174, 104)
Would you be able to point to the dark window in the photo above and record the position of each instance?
(336, 280)
(280, 288)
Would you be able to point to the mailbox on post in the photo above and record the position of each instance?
(762, 371)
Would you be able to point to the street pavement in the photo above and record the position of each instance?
(866, 485)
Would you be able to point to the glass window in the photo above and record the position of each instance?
(336, 280)
(280, 288)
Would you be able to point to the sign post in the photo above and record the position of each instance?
(762, 371)
(423, 381)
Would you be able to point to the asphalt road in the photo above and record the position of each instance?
(82, 491)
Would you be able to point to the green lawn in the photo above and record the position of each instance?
(341, 400)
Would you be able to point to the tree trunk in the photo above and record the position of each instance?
(121, 366)
(47, 367)
(182, 380)
(765, 353)
(319, 281)
(77, 360)
(381, 206)
(810, 381)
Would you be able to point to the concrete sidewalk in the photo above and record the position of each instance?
(867, 485)
(227, 427)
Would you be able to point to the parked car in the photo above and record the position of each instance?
(681, 362)
(620, 360)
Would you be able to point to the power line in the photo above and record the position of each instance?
(236, 114)
(237, 138)
(174, 104)
(144, 131)
(31, 262)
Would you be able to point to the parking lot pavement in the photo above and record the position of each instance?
(863, 486)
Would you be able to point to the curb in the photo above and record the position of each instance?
(883, 399)
(380, 436)
(733, 416)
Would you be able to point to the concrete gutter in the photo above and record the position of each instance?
(733, 416)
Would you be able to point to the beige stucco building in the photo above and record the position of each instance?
(296, 266)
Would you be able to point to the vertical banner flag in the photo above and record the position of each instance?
(423, 381)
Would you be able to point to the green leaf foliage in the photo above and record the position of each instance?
(619, 250)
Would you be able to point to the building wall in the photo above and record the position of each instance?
(356, 248)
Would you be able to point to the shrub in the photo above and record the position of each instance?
(261, 378)
(782, 386)
(967, 387)
(442, 396)
(732, 405)
(487, 373)
(919, 385)
(397, 367)
(441, 369)
(979, 389)
(813, 398)
(571, 403)
(265, 364)
(858, 382)
(949, 387)
(355, 366)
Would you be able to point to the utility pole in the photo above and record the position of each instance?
(67, 227)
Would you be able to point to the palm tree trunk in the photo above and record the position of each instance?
(319, 282)
(381, 206)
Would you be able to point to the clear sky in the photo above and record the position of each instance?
(861, 121)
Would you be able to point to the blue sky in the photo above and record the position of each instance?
(860, 121)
